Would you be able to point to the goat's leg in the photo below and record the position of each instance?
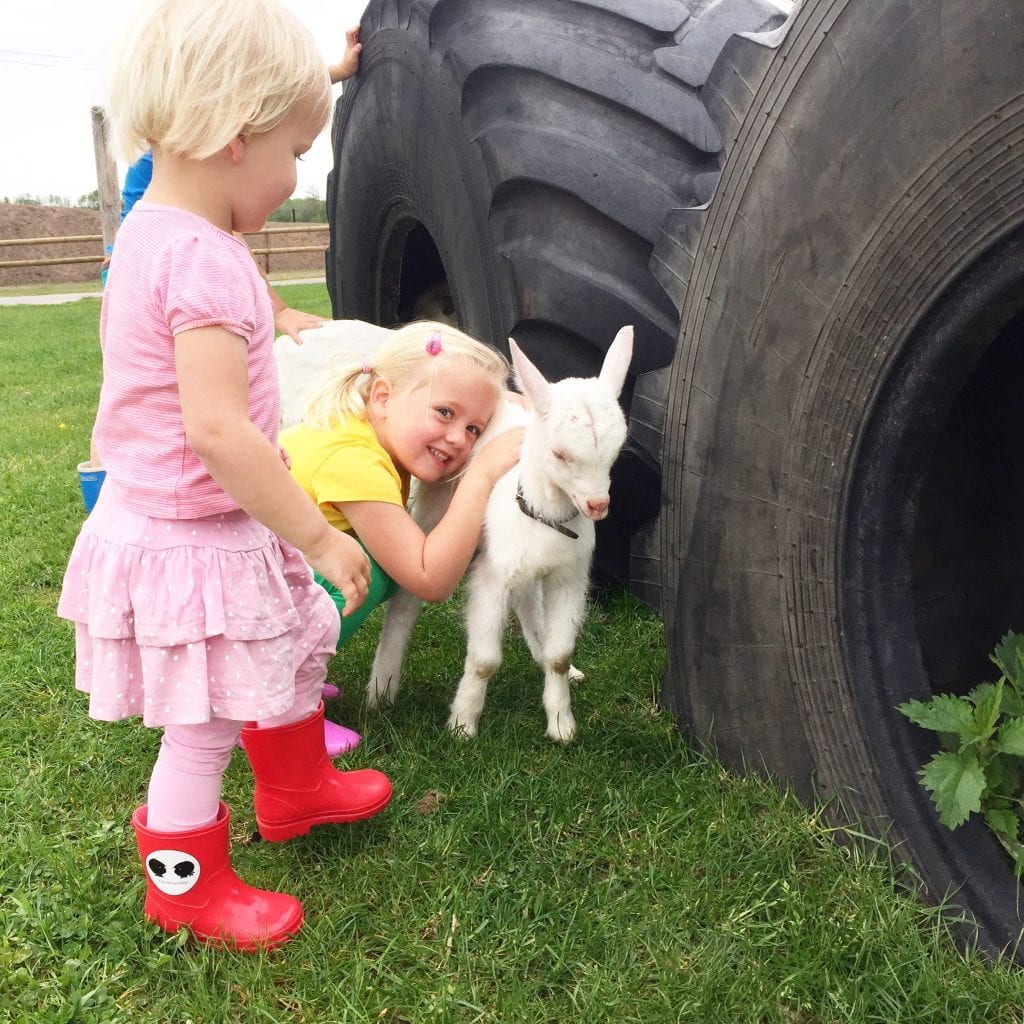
(399, 618)
(486, 607)
(564, 606)
(529, 609)
(428, 505)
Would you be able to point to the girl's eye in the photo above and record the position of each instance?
(475, 431)
(445, 412)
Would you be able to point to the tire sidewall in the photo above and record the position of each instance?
(869, 173)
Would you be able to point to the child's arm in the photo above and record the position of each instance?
(431, 565)
(286, 320)
(290, 321)
(213, 383)
(349, 63)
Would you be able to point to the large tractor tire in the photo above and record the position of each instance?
(507, 165)
(843, 443)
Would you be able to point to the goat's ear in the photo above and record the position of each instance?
(617, 360)
(532, 381)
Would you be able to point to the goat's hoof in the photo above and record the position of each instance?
(465, 730)
(575, 675)
(380, 697)
(563, 729)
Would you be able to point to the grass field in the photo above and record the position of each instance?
(622, 879)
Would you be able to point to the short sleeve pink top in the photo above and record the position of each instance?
(192, 275)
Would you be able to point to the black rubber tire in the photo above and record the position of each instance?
(527, 152)
(843, 449)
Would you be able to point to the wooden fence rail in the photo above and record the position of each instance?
(266, 250)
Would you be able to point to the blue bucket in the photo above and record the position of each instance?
(90, 478)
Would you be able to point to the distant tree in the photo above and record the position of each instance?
(51, 200)
(90, 201)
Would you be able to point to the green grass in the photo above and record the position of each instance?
(623, 879)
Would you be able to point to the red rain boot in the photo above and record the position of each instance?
(190, 884)
(298, 787)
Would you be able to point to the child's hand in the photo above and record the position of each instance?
(349, 63)
(291, 321)
(342, 560)
(498, 456)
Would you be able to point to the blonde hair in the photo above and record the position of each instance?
(191, 75)
(410, 357)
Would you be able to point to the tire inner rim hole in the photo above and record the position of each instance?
(423, 291)
(933, 547)
(967, 547)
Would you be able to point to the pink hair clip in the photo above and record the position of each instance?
(434, 344)
(367, 368)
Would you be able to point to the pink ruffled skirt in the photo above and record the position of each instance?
(181, 621)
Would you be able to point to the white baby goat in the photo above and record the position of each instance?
(538, 537)
(538, 540)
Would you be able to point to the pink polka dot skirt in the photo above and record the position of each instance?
(180, 621)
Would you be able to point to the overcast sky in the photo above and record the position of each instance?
(52, 72)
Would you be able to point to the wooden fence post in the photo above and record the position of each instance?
(106, 177)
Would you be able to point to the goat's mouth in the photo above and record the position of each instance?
(591, 509)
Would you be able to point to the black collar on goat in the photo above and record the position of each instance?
(555, 524)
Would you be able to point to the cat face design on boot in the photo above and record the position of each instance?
(172, 871)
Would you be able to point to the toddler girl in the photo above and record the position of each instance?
(192, 602)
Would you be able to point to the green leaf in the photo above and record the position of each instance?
(1009, 657)
(980, 693)
(943, 713)
(1009, 785)
(1004, 823)
(995, 774)
(1010, 739)
(1012, 705)
(956, 783)
(986, 713)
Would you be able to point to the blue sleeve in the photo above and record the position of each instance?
(136, 181)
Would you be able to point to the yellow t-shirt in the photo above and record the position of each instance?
(346, 463)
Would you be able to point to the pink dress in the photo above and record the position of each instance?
(185, 608)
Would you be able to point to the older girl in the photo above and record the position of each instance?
(415, 409)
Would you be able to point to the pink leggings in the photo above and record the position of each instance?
(184, 789)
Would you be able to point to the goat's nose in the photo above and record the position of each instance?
(597, 508)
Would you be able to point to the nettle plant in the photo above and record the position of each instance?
(978, 770)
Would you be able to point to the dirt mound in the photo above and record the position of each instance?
(49, 222)
(18, 221)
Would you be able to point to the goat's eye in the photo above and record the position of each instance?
(561, 456)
